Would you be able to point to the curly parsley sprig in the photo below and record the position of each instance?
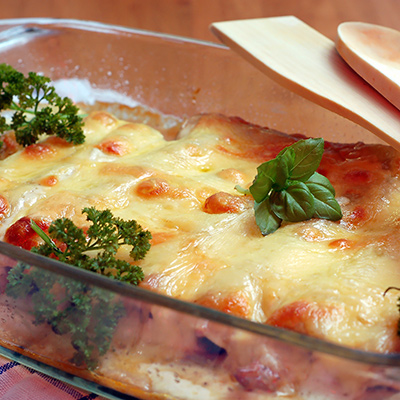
(104, 236)
(38, 109)
(288, 188)
(88, 314)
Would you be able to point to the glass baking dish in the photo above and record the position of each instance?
(178, 77)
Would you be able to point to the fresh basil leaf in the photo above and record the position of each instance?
(288, 188)
(265, 178)
(307, 157)
(284, 166)
(296, 203)
(326, 205)
(266, 220)
(318, 179)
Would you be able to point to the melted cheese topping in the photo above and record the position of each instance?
(318, 277)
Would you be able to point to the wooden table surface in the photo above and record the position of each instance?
(193, 17)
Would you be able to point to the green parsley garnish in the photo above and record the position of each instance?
(288, 188)
(86, 313)
(105, 235)
(38, 108)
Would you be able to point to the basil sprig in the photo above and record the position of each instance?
(287, 188)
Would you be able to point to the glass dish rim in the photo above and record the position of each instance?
(137, 293)
(101, 27)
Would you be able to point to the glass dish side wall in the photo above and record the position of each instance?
(154, 351)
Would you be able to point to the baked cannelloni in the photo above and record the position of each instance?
(321, 278)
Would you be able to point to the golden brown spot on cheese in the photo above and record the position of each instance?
(57, 141)
(233, 175)
(159, 187)
(104, 118)
(114, 147)
(152, 187)
(233, 303)
(39, 151)
(222, 202)
(303, 317)
(161, 237)
(49, 180)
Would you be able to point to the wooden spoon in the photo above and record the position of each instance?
(306, 62)
(373, 51)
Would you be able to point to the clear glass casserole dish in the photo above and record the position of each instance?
(179, 77)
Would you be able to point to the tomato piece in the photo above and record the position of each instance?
(21, 234)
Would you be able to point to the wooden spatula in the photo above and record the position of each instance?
(373, 51)
(306, 62)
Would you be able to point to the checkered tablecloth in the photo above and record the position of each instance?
(21, 383)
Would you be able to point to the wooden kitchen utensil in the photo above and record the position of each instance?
(306, 62)
(373, 51)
